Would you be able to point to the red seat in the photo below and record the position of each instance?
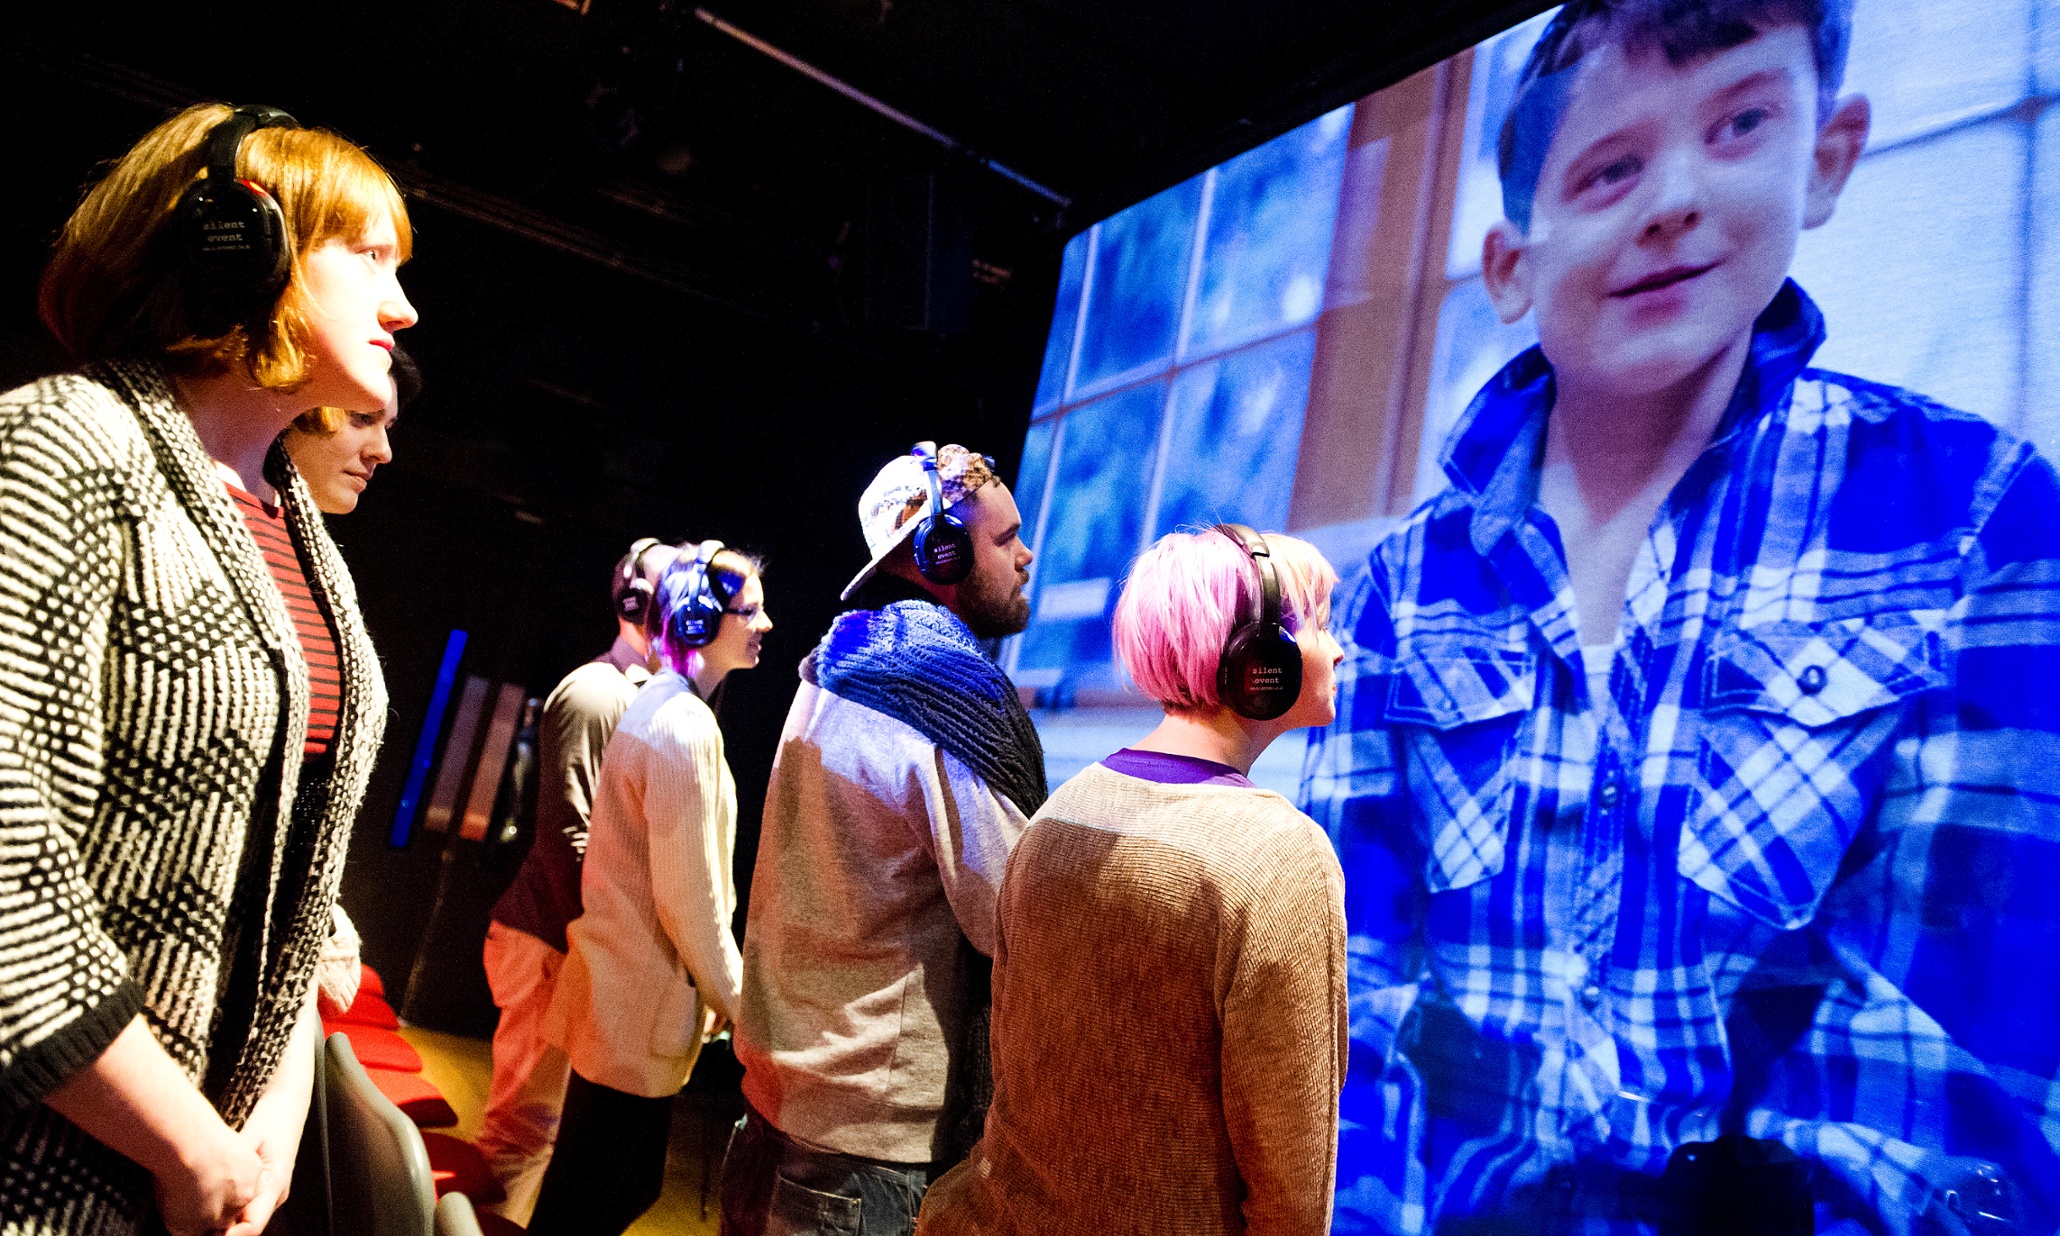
(378, 1049)
(458, 1167)
(367, 1010)
(421, 1101)
(369, 980)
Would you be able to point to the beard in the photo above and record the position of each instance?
(992, 605)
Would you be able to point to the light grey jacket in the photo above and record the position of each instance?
(879, 849)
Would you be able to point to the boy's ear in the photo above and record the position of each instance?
(1840, 141)
(1505, 273)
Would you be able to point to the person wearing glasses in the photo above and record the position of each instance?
(525, 935)
(652, 971)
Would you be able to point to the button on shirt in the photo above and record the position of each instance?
(1791, 864)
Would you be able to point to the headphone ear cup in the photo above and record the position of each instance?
(234, 236)
(695, 623)
(943, 549)
(635, 603)
(1260, 675)
(709, 611)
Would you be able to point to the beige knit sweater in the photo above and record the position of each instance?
(1169, 1020)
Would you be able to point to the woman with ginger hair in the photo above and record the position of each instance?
(177, 803)
(1170, 972)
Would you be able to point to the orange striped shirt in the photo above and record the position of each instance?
(267, 526)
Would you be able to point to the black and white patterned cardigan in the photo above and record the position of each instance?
(153, 706)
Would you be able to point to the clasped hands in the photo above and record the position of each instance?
(235, 1181)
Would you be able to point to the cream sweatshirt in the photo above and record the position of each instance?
(652, 969)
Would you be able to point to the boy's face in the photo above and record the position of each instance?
(1668, 208)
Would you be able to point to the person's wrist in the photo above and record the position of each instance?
(205, 1146)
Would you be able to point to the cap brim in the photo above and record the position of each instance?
(907, 530)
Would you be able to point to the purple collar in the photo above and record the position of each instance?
(1174, 769)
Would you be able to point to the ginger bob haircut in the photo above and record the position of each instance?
(116, 285)
(1187, 593)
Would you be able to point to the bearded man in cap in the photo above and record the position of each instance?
(907, 770)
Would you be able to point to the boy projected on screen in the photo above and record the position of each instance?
(1697, 769)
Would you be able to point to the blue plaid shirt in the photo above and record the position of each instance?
(1795, 873)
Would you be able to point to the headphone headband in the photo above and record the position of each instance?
(225, 142)
(943, 547)
(1254, 545)
(704, 557)
(635, 561)
(927, 452)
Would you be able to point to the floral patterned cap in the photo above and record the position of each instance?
(899, 497)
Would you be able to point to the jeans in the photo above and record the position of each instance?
(773, 1185)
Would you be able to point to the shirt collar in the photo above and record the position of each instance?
(624, 656)
(1495, 452)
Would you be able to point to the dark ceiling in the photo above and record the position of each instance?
(639, 135)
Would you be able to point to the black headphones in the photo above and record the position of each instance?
(1260, 673)
(944, 549)
(232, 231)
(697, 616)
(633, 591)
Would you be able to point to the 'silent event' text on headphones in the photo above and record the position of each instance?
(943, 547)
(232, 231)
(697, 617)
(633, 591)
(1260, 674)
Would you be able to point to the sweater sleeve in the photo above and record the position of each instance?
(1284, 1029)
(683, 800)
(971, 830)
(65, 991)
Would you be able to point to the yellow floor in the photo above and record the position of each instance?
(461, 1067)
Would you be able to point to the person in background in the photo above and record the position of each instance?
(905, 773)
(652, 971)
(336, 451)
(1170, 944)
(525, 936)
(162, 902)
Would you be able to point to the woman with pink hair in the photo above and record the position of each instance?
(1169, 982)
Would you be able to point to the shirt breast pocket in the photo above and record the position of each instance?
(1459, 705)
(1796, 719)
